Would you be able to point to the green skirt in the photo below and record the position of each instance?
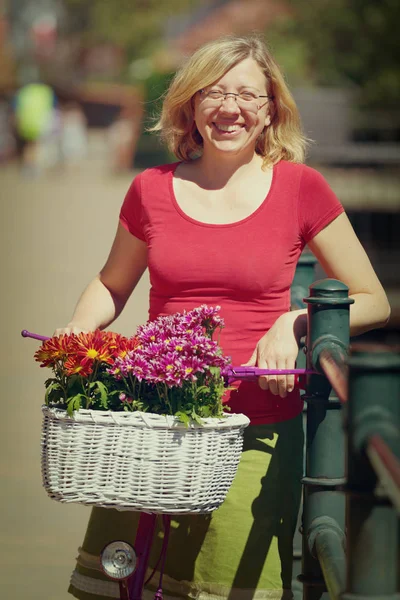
(243, 550)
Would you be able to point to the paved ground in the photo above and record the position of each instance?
(55, 235)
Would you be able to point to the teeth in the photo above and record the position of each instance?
(228, 127)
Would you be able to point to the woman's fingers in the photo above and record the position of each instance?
(263, 358)
(290, 379)
(68, 331)
(263, 381)
(279, 385)
(273, 384)
(282, 380)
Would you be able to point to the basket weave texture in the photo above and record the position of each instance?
(139, 461)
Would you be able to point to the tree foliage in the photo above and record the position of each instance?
(340, 42)
(136, 25)
(326, 42)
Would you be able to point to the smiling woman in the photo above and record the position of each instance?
(204, 72)
(231, 111)
(225, 225)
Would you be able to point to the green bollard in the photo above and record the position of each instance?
(303, 278)
(324, 503)
(372, 522)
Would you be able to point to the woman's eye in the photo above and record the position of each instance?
(248, 96)
(214, 94)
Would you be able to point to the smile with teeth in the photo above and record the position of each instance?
(228, 128)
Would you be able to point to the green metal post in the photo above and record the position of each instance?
(303, 278)
(372, 522)
(324, 503)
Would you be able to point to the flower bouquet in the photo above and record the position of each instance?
(139, 423)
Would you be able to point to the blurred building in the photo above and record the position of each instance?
(34, 29)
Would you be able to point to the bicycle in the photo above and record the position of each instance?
(127, 564)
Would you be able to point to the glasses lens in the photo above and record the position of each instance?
(245, 101)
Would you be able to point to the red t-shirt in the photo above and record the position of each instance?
(245, 267)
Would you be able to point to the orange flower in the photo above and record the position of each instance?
(94, 345)
(73, 366)
(55, 349)
(121, 345)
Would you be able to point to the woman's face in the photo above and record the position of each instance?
(232, 125)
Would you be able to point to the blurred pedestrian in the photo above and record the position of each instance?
(74, 139)
(123, 135)
(37, 127)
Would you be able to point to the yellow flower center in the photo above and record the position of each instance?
(188, 370)
(179, 348)
(92, 353)
(169, 367)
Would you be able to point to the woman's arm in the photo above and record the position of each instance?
(105, 296)
(342, 257)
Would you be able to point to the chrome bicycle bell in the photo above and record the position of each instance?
(118, 560)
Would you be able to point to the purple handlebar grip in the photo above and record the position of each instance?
(254, 372)
(35, 336)
(257, 371)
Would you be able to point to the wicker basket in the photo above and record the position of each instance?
(139, 461)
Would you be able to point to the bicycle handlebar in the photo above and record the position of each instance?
(35, 336)
(232, 373)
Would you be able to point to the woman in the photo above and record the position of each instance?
(226, 225)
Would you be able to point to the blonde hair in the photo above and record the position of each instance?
(282, 139)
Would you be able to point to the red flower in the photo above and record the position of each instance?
(55, 349)
(121, 345)
(94, 345)
(73, 366)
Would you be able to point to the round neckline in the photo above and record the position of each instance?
(219, 225)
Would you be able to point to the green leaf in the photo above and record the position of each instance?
(183, 417)
(206, 412)
(102, 393)
(54, 394)
(196, 418)
(74, 403)
(215, 371)
(202, 389)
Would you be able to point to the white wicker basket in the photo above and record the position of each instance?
(139, 461)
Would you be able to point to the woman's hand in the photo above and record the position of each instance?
(278, 349)
(70, 328)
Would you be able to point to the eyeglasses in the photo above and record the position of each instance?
(246, 100)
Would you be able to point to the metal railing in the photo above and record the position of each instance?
(387, 469)
(352, 481)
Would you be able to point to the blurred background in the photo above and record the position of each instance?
(80, 80)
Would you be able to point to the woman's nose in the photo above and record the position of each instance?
(230, 105)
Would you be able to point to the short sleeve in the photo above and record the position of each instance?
(130, 215)
(318, 204)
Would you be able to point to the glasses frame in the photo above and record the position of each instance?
(236, 95)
